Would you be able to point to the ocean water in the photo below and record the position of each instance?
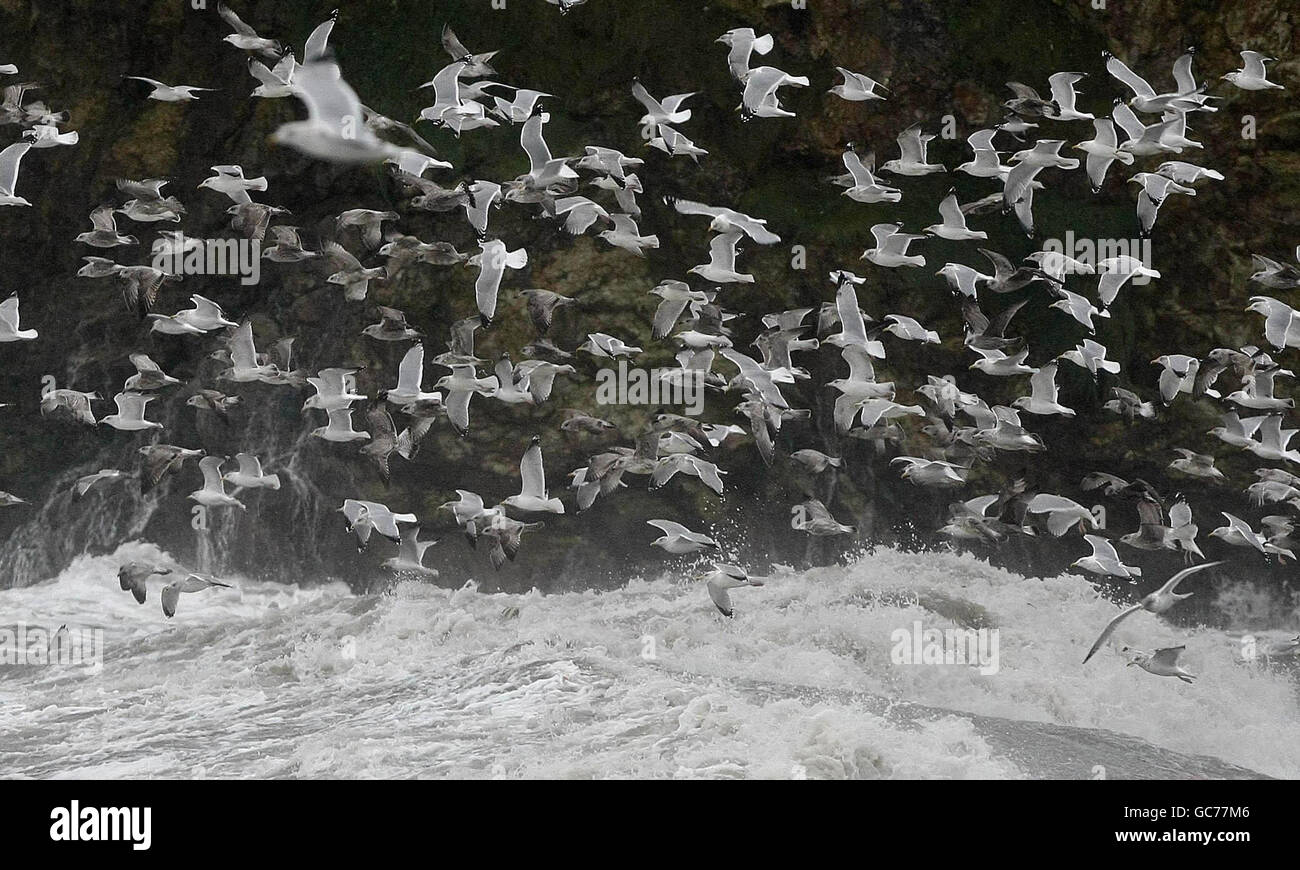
(271, 680)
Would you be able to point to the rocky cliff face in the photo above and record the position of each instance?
(939, 59)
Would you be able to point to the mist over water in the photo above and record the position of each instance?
(270, 679)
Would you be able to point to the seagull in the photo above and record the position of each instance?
(1273, 439)
(1028, 164)
(244, 365)
(493, 260)
(610, 163)
(170, 93)
(505, 537)
(410, 556)
(987, 162)
(582, 214)
(1186, 173)
(213, 493)
(912, 146)
(231, 181)
(1235, 431)
(1043, 394)
(245, 37)
(538, 377)
(348, 272)
(148, 375)
(1252, 76)
(1143, 140)
(1275, 275)
(1195, 464)
(1064, 97)
(133, 577)
(906, 328)
(544, 170)
(1178, 375)
(759, 99)
(288, 246)
(476, 65)
(607, 346)
(891, 247)
(744, 42)
(161, 460)
(626, 235)
(1006, 277)
(669, 466)
(98, 267)
(1162, 663)
(334, 130)
(725, 220)
(928, 472)
(1079, 308)
(171, 593)
(673, 143)
(674, 297)
(1238, 533)
(104, 234)
(83, 484)
(580, 421)
(1115, 272)
(383, 439)
(1145, 98)
(721, 268)
(470, 513)
(368, 223)
(998, 364)
(1091, 355)
(1105, 561)
(130, 413)
(364, 517)
(542, 305)
(250, 475)
(679, 540)
(658, 113)
(519, 109)
(339, 429)
(461, 385)
(1062, 513)
(1257, 392)
(814, 461)
(9, 330)
(721, 580)
(1027, 101)
(1102, 150)
(48, 136)
(863, 185)
(392, 326)
(963, 279)
(953, 226)
(273, 82)
(1154, 190)
(857, 87)
(74, 403)
(818, 522)
(512, 387)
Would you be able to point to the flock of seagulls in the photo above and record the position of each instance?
(959, 429)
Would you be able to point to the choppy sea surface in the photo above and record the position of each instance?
(270, 680)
